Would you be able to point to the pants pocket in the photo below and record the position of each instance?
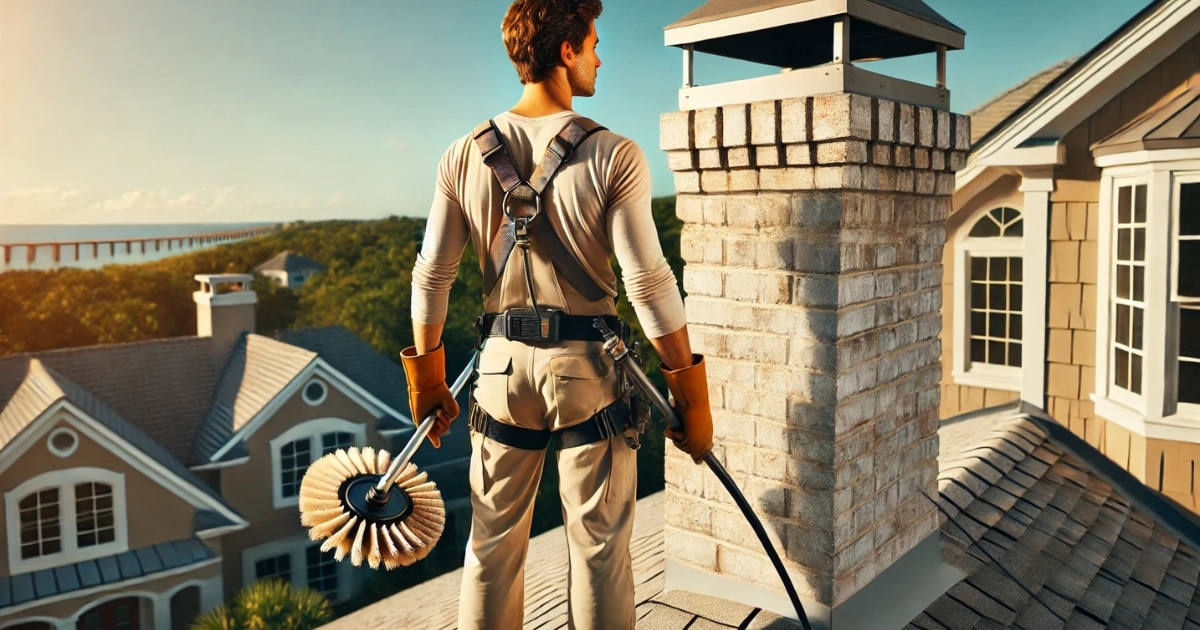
(621, 485)
(491, 386)
(583, 384)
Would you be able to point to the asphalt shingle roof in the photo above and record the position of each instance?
(988, 116)
(1048, 541)
(290, 262)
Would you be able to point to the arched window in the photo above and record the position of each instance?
(989, 300)
(65, 516)
(293, 451)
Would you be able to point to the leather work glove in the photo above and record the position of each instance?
(427, 389)
(689, 387)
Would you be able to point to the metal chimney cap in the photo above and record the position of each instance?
(798, 33)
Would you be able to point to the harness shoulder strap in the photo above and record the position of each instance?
(561, 148)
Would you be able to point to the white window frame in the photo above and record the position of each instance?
(313, 430)
(965, 371)
(1156, 413)
(65, 481)
(295, 548)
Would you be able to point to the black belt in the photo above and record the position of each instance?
(569, 327)
(612, 420)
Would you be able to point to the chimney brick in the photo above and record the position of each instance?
(814, 234)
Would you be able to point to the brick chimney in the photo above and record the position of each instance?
(814, 226)
(224, 307)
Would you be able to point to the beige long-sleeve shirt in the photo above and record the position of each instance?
(599, 203)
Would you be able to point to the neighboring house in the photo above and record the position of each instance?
(1070, 250)
(145, 482)
(289, 270)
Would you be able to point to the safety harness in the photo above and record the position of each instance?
(538, 325)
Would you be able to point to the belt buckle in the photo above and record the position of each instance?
(527, 325)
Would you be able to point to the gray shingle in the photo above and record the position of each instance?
(67, 579)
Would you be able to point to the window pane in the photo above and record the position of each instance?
(1137, 328)
(1121, 328)
(322, 570)
(1124, 243)
(1139, 284)
(978, 295)
(1121, 359)
(985, 227)
(1015, 269)
(1189, 333)
(1139, 204)
(978, 324)
(1189, 382)
(1016, 229)
(1135, 373)
(1014, 297)
(996, 352)
(1189, 268)
(1189, 209)
(1124, 204)
(1014, 327)
(1014, 354)
(997, 268)
(1123, 281)
(996, 325)
(979, 350)
(1139, 244)
(978, 268)
(996, 299)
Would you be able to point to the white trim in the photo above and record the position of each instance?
(1176, 428)
(1049, 154)
(67, 452)
(312, 429)
(65, 411)
(221, 464)
(1141, 158)
(65, 481)
(316, 400)
(296, 548)
(1036, 211)
(1176, 188)
(332, 377)
(112, 586)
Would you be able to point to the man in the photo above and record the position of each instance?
(542, 368)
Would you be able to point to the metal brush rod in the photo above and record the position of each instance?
(379, 490)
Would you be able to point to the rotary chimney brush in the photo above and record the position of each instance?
(367, 507)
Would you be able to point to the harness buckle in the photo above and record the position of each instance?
(528, 325)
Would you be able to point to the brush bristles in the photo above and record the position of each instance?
(397, 544)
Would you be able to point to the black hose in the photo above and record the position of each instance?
(627, 361)
(760, 531)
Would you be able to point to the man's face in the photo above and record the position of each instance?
(582, 73)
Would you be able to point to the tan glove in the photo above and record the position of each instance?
(427, 389)
(689, 386)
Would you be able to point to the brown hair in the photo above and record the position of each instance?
(534, 31)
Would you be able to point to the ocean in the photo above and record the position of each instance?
(93, 246)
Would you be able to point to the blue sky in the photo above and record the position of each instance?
(131, 111)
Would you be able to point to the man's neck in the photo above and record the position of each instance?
(551, 96)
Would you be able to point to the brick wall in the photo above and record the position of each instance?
(813, 239)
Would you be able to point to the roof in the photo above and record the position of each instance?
(1093, 545)
(289, 262)
(992, 113)
(129, 565)
(347, 353)
(1171, 123)
(163, 386)
(258, 370)
(799, 33)
(42, 387)
(1050, 532)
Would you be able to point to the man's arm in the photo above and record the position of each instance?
(675, 349)
(426, 337)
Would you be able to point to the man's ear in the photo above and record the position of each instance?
(566, 53)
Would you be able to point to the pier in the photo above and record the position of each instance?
(70, 250)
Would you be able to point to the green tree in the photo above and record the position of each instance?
(269, 605)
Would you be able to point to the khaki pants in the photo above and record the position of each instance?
(538, 388)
